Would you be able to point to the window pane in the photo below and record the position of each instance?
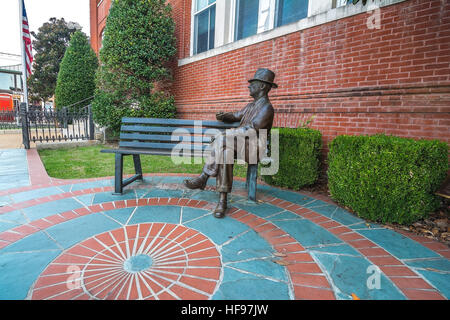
(6, 81)
(201, 28)
(205, 29)
(212, 26)
(247, 18)
(200, 4)
(291, 11)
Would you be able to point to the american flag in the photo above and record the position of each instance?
(27, 40)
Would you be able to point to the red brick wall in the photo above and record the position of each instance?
(354, 80)
(98, 17)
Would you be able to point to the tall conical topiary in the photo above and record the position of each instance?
(138, 44)
(76, 76)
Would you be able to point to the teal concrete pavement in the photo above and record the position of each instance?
(75, 240)
(13, 169)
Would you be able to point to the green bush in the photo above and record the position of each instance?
(157, 105)
(138, 44)
(299, 158)
(76, 76)
(386, 178)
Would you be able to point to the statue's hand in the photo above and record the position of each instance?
(219, 116)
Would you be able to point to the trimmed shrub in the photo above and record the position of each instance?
(299, 158)
(76, 76)
(385, 178)
(157, 105)
(138, 44)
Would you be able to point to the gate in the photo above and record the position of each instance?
(56, 125)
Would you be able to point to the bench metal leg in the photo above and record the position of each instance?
(118, 186)
(137, 166)
(252, 172)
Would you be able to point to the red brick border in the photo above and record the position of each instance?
(36, 169)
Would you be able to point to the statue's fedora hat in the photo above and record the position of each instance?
(265, 75)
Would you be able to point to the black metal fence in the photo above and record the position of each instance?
(9, 119)
(56, 125)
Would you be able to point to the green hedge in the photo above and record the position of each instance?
(386, 178)
(76, 76)
(134, 76)
(299, 158)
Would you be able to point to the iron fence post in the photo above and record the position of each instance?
(91, 123)
(65, 116)
(24, 120)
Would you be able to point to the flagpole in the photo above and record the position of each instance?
(24, 61)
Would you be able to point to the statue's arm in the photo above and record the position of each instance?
(230, 116)
(263, 119)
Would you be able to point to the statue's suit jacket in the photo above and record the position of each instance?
(254, 116)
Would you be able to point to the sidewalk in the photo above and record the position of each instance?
(63, 239)
(13, 169)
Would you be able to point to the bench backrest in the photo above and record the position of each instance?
(162, 135)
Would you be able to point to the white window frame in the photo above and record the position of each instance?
(194, 12)
(271, 16)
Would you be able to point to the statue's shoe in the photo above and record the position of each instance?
(196, 183)
(219, 211)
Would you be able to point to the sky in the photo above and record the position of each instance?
(38, 12)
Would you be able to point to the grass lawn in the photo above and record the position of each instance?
(88, 162)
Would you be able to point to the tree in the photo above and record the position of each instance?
(138, 43)
(76, 77)
(49, 45)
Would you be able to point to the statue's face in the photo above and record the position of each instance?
(255, 87)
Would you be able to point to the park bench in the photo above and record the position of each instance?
(152, 136)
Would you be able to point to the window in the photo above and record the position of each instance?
(252, 16)
(204, 25)
(18, 83)
(290, 11)
(340, 3)
(246, 18)
(255, 16)
(7, 81)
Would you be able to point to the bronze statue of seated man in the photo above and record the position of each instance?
(253, 117)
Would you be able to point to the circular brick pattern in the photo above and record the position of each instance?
(144, 261)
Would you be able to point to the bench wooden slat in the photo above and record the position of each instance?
(137, 128)
(158, 137)
(159, 152)
(170, 146)
(180, 122)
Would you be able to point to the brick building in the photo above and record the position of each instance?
(357, 69)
